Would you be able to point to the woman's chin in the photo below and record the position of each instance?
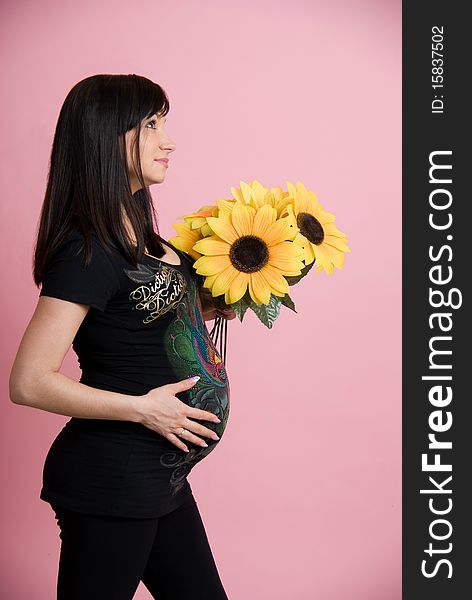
(156, 180)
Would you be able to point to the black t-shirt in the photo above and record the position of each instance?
(144, 329)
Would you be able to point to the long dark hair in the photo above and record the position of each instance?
(88, 184)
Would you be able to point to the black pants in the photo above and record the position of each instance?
(106, 557)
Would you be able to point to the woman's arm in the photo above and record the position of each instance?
(35, 379)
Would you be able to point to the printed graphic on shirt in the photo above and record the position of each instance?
(192, 352)
(160, 290)
(183, 462)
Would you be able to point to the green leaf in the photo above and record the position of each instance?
(288, 302)
(267, 314)
(296, 278)
(240, 308)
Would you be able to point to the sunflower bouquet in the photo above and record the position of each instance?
(251, 248)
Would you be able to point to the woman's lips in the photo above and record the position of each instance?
(163, 161)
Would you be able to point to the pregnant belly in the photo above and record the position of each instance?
(211, 392)
(191, 351)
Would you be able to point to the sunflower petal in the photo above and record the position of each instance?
(223, 228)
(325, 217)
(336, 256)
(242, 218)
(212, 245)
(302, 194)
(259, 289)
(237, 288)
(210, 265)
(331, 229)
(279, 231)
(184, 245)
(287, 249)
(264, 217)
(209, 279)
(323, 259)
(336, 242)
(287, 266)
(275, 279)
(222, 281)
(246, 191)
(184, 231)
(309, 253)
(206, 230)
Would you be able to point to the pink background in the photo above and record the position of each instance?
(302, 498)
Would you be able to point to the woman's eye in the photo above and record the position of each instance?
(151, 122)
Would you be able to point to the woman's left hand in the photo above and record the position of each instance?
(209, 309)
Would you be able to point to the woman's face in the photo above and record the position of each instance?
(155, 144)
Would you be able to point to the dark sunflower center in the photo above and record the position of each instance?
(310, 227)
(249, 253)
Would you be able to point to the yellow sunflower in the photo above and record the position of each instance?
(256, 194)
(250, 249)
(197, 220)
(281, 200)
(186, 238)
(225, 208)
(253, 193)
(318, 236)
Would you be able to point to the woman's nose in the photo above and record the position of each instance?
(170, 146)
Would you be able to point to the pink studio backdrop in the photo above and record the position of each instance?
(302, 497)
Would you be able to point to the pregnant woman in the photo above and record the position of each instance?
(153, 397)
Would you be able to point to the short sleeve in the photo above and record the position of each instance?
(67, 278)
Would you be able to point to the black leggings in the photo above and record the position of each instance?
(106, 557)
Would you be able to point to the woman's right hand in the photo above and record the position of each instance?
(161, 411)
